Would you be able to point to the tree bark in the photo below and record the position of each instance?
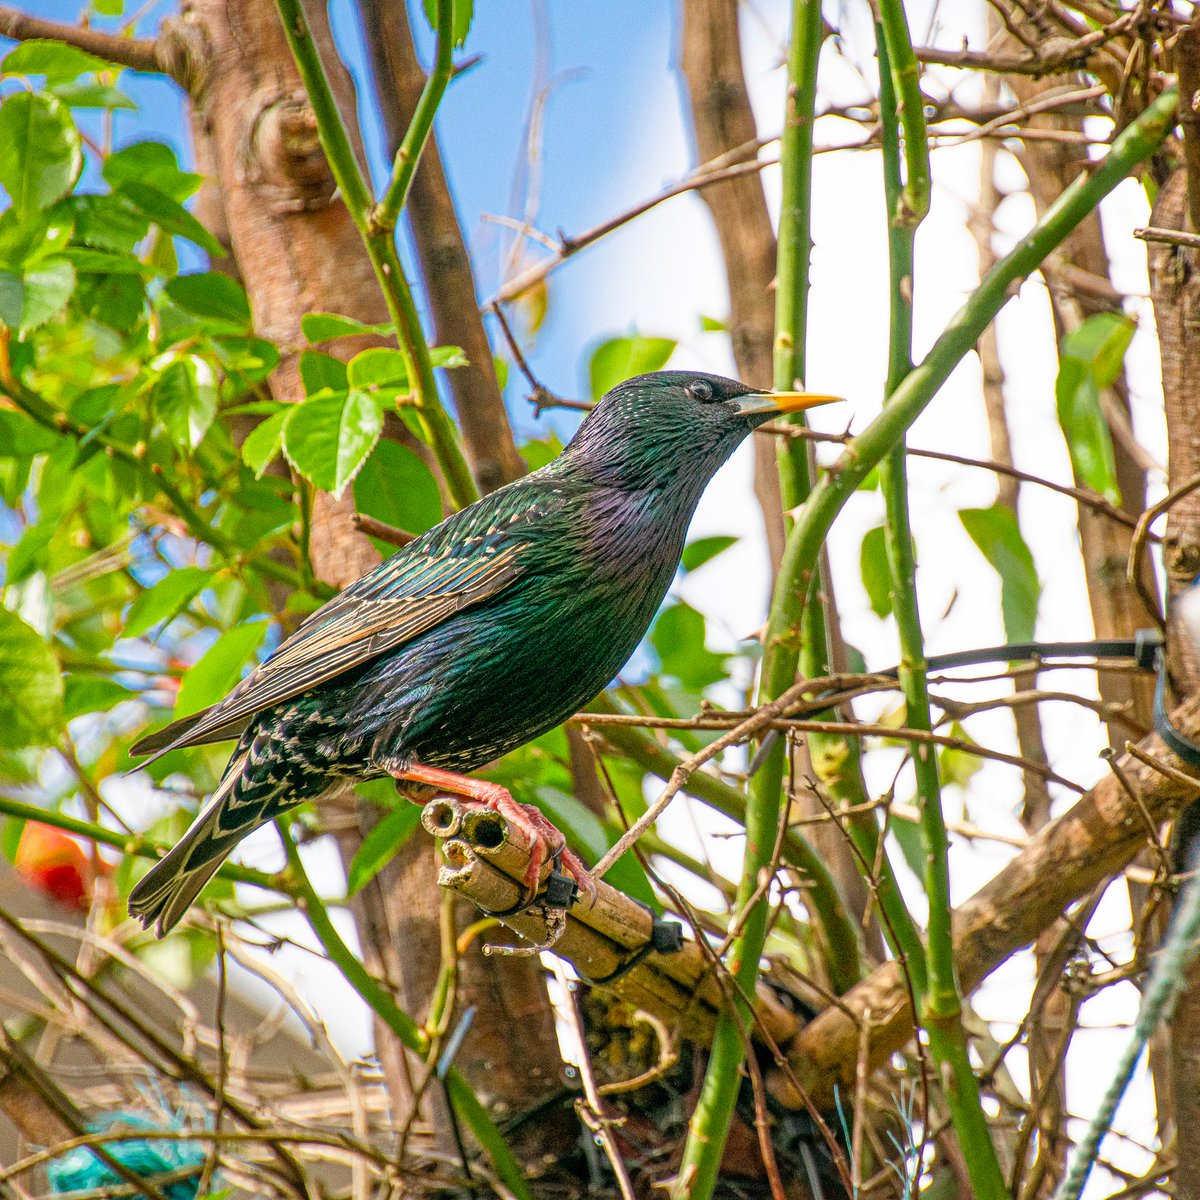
(286, 226)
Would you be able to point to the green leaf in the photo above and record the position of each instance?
(185, 400)
(713, 325)
(995, 531)
(166, 599)
(396, 487)
(113, 300)
(264, 442)
(1090, 359)
(328, 438)
(678, 639)
(955, 766)
(702, 550)
(21, 437)
(31, 297)
(152, 164)
(91, 95)
(381, 844)
(31, 684)
(219, 669)
(461, 13)
(107, 222)
(377, 367)
(41, 154)
(620, 358)
(170, 216)
(37, 235)
(56, 60)
(211, 294)
(321, 372)
(325, 327)
(92, 693)
(448, 357)
(876, 574)
(252, 359)
(540, 451)
(912, 846)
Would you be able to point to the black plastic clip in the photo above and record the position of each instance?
(666, 937)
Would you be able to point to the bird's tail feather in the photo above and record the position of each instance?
(166, 891)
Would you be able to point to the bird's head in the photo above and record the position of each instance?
(655, 430)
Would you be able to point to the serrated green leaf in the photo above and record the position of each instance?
(29, 298)
(462, 12)
(618, 359)
(220, 667)
(211, 294)
(396, 487)
(702, 550)
(321, 372)
(995, 531)
(170, 216)
(377, 367)
(327, 327)
(448, 357)
(379, 846)
(92, 693)
(678, 639)
(21, 436)
(264, 443)
(91, 95)
(31, 684)
(328, 438)
(57, 61)
(1090, 359)
(185, 399)
(41, 154)
(152, 164)
(876, 574)
(166, 599)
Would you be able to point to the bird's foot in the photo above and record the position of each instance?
(547, 841)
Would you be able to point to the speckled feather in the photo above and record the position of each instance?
(478, 636)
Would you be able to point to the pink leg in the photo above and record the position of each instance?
(547, 840)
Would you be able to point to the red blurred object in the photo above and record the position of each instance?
(57, 865)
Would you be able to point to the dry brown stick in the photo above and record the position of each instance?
(1171, 237)
(1064, 861)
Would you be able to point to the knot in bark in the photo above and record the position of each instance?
(285, 152)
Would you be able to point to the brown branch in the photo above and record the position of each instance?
(1172, 237)
(1187, 58)
(1063, 862)
(159, 55)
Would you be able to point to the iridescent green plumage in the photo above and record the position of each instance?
(481, 634)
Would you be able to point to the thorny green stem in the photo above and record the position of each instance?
(936, 984)
(709, 1126)
(904, 77)
(1138, 141)
(381, 249)
(465, 1102)
(384, 215)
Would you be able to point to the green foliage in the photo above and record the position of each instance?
(41, 153)
(678, 639)
(876, 575)
(378, 847)
(31, 684)
(995, 531)
(328, 437)
(619, 358)
(220, 667)
(165, 600)
(1089, 360)
(462, 12)
(705, 549)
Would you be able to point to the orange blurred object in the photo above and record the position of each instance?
(57, 865)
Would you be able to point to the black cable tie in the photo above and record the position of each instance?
(666, 937)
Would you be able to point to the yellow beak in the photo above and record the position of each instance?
(781, 402)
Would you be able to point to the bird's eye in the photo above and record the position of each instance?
(700, 390)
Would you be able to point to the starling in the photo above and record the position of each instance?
(483, 633)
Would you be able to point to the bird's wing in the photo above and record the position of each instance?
(462, 562)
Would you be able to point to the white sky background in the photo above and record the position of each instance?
(662, 273)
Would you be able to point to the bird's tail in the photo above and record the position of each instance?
(166, 891)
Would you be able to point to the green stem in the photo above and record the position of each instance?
(1138, 141)
(709, 1126)
(387, 211)
(904, 78)
(381, 249)
(842, 944)
(465, 1102)
(937, 986)
(131, 843)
